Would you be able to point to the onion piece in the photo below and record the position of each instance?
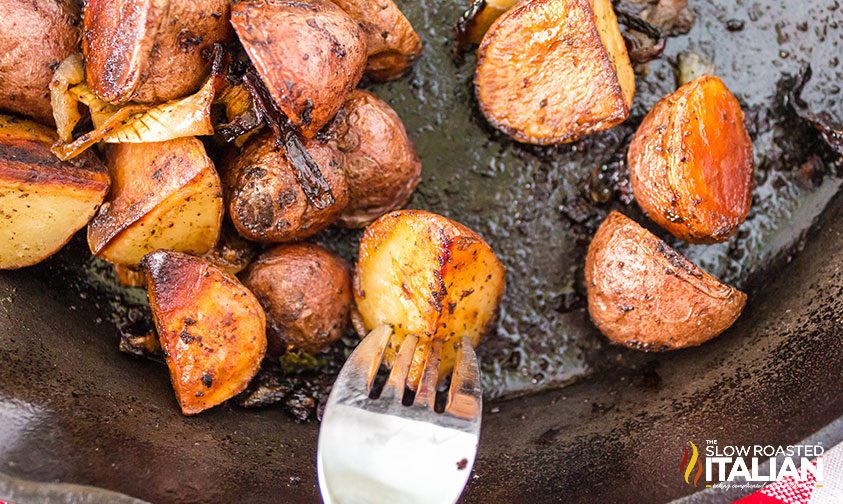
(65, 107)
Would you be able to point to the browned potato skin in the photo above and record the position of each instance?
(37, 35)
(43, 201)
(309, 53)
(393, 45)
(381, 164)
(265, 201)
(211, 328)
(645, 295)
(690, 162)
(150, 51)
(548, 91)
(306, 293)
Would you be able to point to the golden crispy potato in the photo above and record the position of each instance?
(393, 46)
(211, 328)
(552, 71)
(306, 294)
(690, 162)
(381, 165)
(37, 35)
(150, 51)
(265, 201)
(43, 201)
(309, 53)
(166, 195)
(426, 275)
(645, 295)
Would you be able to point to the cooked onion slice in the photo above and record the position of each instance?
(65, 107)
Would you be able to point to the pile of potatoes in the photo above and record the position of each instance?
(217, 240)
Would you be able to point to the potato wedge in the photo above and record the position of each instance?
(265, 201)
(552, 71)
(426, 275)
(211, 328)
(165, 195)
(43, 201)
(381, 164)
(306, 294)
(309, 53)
(393, 46)
(37, 35)
(151, 51)
(690, 163)
(645, 295)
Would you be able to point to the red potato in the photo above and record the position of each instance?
(37, 35)
(645, 295)
(309, 53)
(690, 162)
(380, 162)
(151, 51)
(211, 328)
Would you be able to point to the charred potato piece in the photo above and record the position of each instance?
(43, 201)
(211, 328)
(552, 71)
(645, 295)
(306, 294)
(690, 163)
(425, 275)
(393, 46)
(381, 165)
(37, 35)
(266, 202)
(309, 53)
(165, 195)
(150, 51)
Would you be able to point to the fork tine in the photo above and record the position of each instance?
(465, 398)
(426, 393)
(393, 389)
(364, 361)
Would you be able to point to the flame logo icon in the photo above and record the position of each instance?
(691, 461)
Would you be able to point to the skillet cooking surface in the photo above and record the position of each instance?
(111, 421)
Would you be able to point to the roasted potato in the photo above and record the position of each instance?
(309, 53)
(645, 295)
(265, 201)
(381, 165)
(425, 275)
(552, 71)
(165, 195)
(480, 17)
(393, 46)
(150, 51)
(37, 35)
(690, 162)
(43, 201)
(211, 328)
(306, 294)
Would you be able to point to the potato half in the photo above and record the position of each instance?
(37, 35)
(265, 200)
(645, 295)
(151, 51)
(552, 71)
(393, 46)
(306, 293)
(166, 195)
(690, 162)
(381, 164)
(211, 328)
(309, 53)
(429, 276)
(43, 201)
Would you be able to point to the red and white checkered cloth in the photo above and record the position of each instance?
(790, 491)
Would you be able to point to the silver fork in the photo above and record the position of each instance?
(380, 451)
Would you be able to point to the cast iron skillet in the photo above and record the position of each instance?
(73, 410)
